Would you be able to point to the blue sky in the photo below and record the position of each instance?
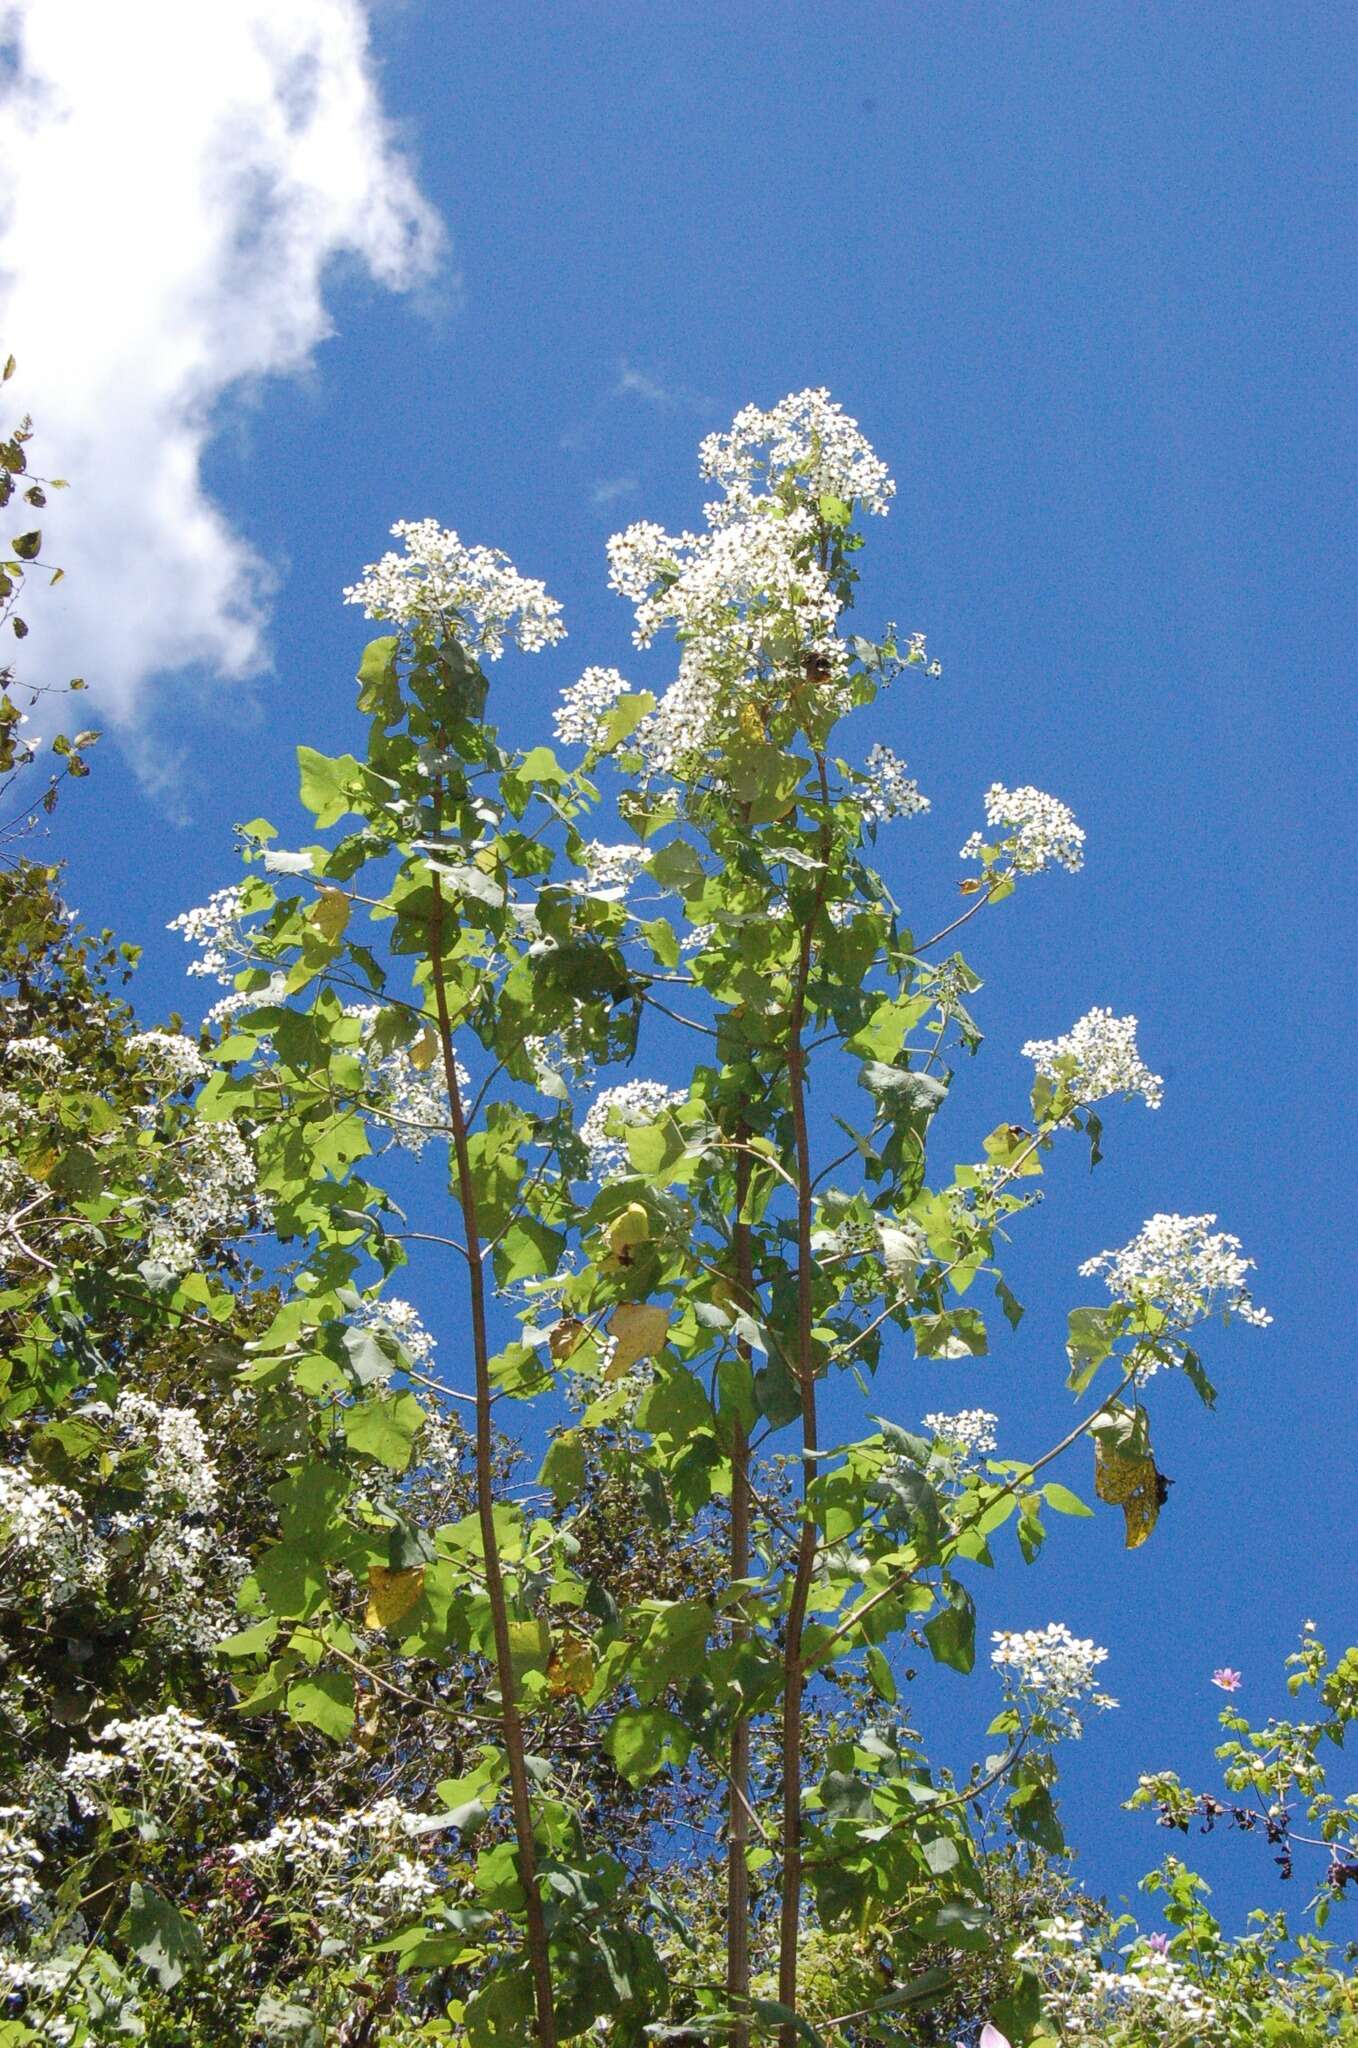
(1081, 273)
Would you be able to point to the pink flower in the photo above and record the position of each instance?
(1228, 1680)
(1158, 1944)
(991, 2037)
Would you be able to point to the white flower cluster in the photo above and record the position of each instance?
(611, 870)
(44, 1537)
(217, 1170)
(750, 599)
(399, 1319)
(215, 928)
(40, 1054)
(182, 1473)
(439, 580)
(1054, 1668)
(889, 792)
(724, 590)
(1036, 830)
(963, 1437)
(578, 718)
(171, 1755)
(334, 1864)
(184, 1577)
(406, 1088)
(1153, 1994)
(630, 1104)
(1181, 1265)
(1097, 1057)
(171, 1060)
(20, 1860)
(806, 436)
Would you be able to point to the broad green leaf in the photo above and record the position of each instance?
(324, 782)
(951, 1635)
(644, 1740)
(162, 1939)
(325, 1700)
(385, 1427)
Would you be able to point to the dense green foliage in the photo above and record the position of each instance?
(325, 1724)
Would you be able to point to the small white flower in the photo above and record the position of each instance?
(805, 438)
(1180, 1265)
(441, 581)
(172, 1060)
(890, 792)
(959, 1440)
(1097, 1057)
(579, 717)
(215, 927)
(40, 1054)
(1054, 1669)
(1035, 830)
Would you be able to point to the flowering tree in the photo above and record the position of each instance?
(665, 1267)
(690, 1257)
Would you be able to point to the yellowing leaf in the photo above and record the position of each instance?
(638, 1330)
(391, 1595)
(572, 1666)
(627, 1230)
(1134, 1485)
(423, 1050)
(330, 914)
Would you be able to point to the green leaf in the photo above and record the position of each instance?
(469, 880)
(563, 1468)
(324, 782)
(1091, 1333)
(385, 1428)
(961, 1923)
(530, 1646)
(764, 778)
(1064, 1501)
(27, 546)
(951, 1635)
(248, 1642)
(501, 2013)
(1033, 1816)
(527, 1250)
(159, 1936)
(880, 1676)
(906, 1097)
(325, 1701)
(644, 1740)
(624, 718)
(378, 692)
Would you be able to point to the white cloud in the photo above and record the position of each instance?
(180, 177)
(609, 489)
(634, 382)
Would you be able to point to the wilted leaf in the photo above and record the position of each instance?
(392, 1594)
(639, 1331)
(330, 914)
(572, 1666)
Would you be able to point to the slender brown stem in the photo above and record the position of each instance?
(511, 1725)
(794, 1670)
(738, 1828)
